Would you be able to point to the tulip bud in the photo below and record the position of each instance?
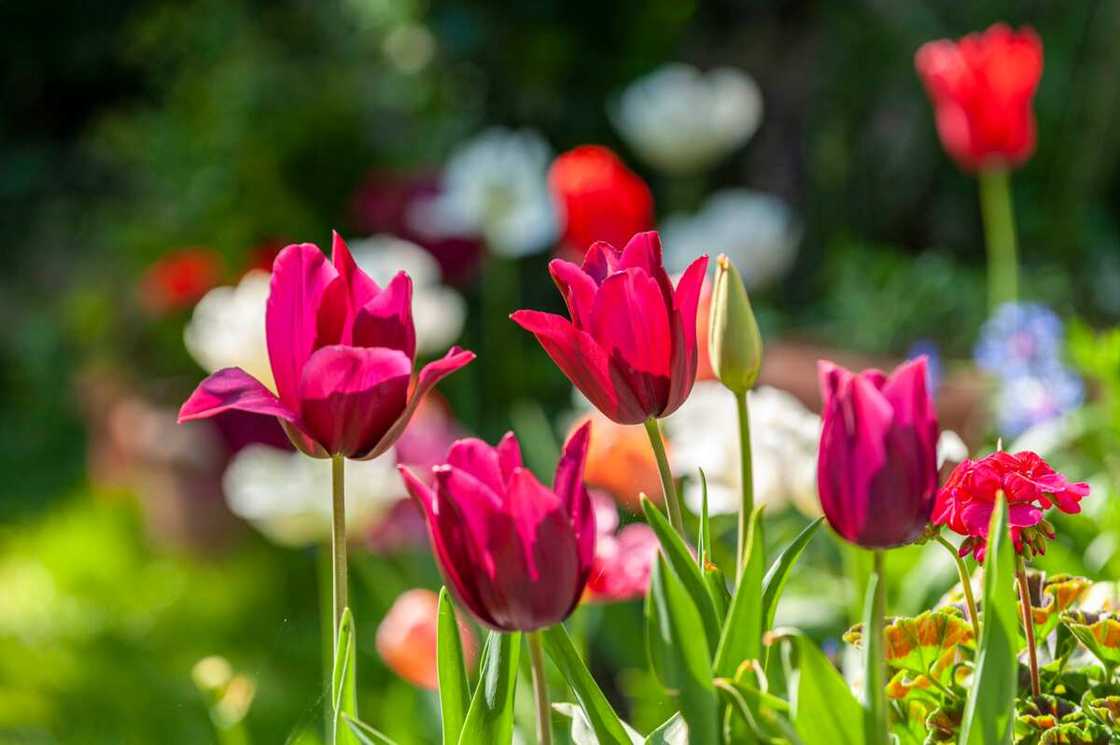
(734, 343)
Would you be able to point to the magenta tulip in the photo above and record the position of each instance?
(341, 350)
(877, 466)
(515, 553)
(630, 346)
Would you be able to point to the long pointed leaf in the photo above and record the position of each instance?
(823, 709)
(344, 696)
(742, 631)
(490, 717)
(600, 715)
(454, 687)
(776, 576)
(682, 648)
(365, 734)
(704, 538)
(680, 559)
(673, 731)
(989, 712)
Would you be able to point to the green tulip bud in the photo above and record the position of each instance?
(734, 343)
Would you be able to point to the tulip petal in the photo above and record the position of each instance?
(577, 288)
(509, 456)
(685, 303)
(386, 319)
(450, 546)
(601, 260)
(584, 363)
(630, 322)
(431, 374)
(232, 388)
(569, 486)
(360, 286)
(351, 396)
(301, 275)
(480, 460)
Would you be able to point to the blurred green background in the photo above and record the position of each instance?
(131, 129)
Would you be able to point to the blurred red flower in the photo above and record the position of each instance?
(981, 88)
(966, 501)
(179, 279)
(598, 198)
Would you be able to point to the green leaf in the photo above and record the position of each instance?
(823, 709)
(742, 630)
(600, 716)
(776, 576)
(490, 717)
(680, 559)
(673, 731)
(365, 734)
(989, 710)
(454, 687)
(874, 670)
(582, 732)
(681, 651)
(704, 539)
(344, 697)
(717, 589)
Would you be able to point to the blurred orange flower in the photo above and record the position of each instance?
(620, 462)
(406, 638)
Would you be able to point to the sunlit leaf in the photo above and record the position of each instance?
(364, 734)
(344, 696)
(823, 709)
(490, 717)
(920, 643)
(1099, 632)
(741, 638)
(454, 687)
(597, 711)
(778, 573)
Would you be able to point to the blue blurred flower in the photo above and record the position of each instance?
(1031, 399)
(1020, 338)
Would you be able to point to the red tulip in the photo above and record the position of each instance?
(630, 346)
(1030, 485)
(516, 554)
(981, 88)
(180, 279)
(877, 466)
(598, 197)
(342, 352)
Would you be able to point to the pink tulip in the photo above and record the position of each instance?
(877, 467)
(630, 346)
(342, 352)
(516, 554)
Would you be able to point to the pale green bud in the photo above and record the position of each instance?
(734, 343)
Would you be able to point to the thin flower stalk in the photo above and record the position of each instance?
(668, 485)
(966, 585)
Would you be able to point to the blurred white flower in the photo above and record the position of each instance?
(287, 496)
(681, 120)
(227, 328)
(704, 433)
(438, 311)
(495, 186)
(757, 231)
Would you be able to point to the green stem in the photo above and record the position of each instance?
(668, 486)
(746, 509)
(540, 688)
(875, 699)
(999, 234)
(966, 586)
(338, 542)
(1028, 622)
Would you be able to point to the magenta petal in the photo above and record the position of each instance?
(432, 373)
(584, 363)
(569, 486)
(360, 286)
(386, 319)
(350, 396)
(685, 355)
(833, 380)
(232, 388)
(643, 251)
(601, 260)
(577, 288)
(474, 456)
(300, 278)
(509, 456)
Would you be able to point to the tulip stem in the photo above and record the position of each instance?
(746, 509)
(1028, 622)
(668, 486)
(966, 585)
(338, 540)
(540, 688)
(875, 698)
(999, 234)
